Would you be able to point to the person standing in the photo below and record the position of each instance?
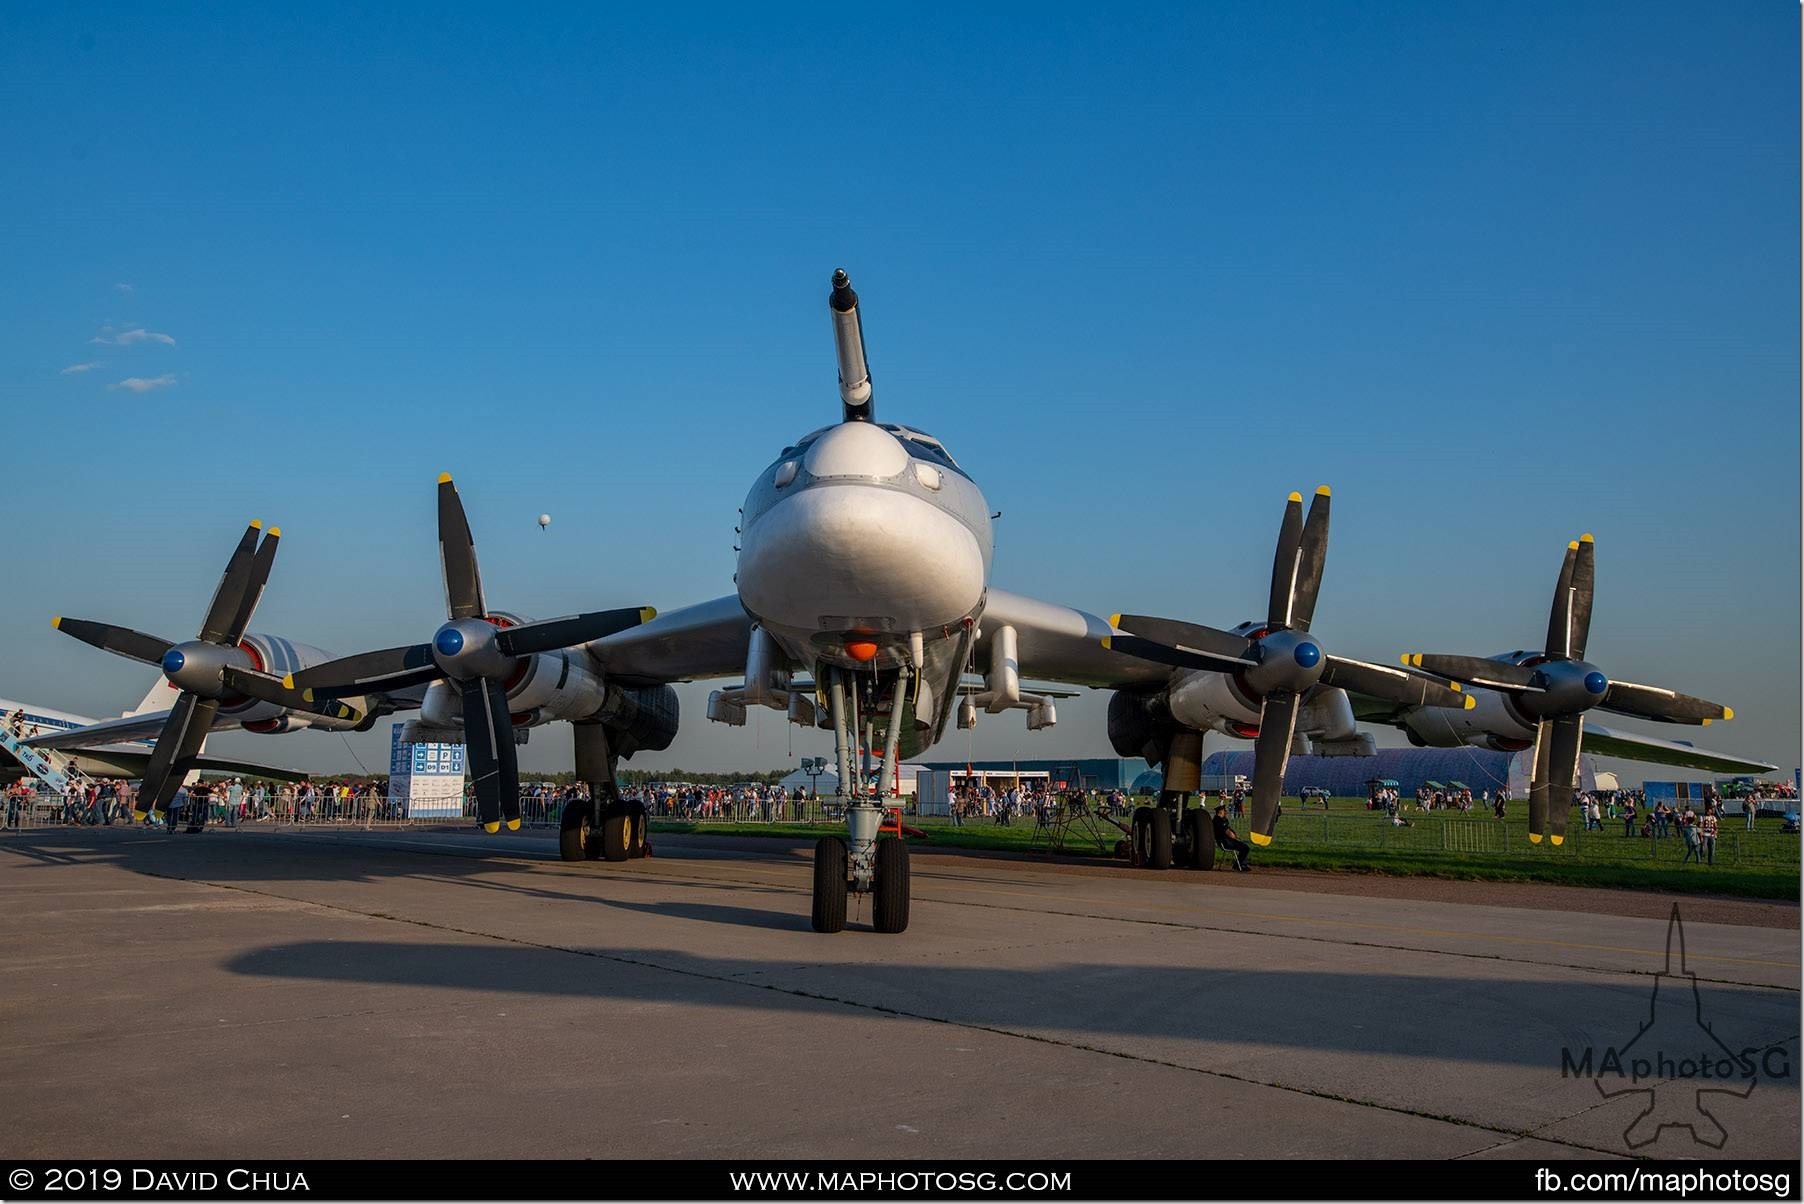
(1707, 834)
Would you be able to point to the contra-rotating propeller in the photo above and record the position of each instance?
(201, 668)
(1555, 689)
(1280, 662)
(475, 653)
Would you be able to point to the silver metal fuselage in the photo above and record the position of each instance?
(863, 535)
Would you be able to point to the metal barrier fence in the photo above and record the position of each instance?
(1435, 834)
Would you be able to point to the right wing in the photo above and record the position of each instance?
(1633, 746)
(708, 639)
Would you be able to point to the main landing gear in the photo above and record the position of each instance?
(1168, 834)
(604, 826)
(864, 861)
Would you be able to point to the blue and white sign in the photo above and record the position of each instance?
(427, 780)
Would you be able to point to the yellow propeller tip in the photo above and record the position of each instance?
(1323, 491)
(647, 613)
(1105, 641)
(257, 524)
(1259, 838)
(275, 532)
(1404, 660)
(1557, 840)
(137, 817)
(1728, 712)
(1586, 538)
(492, 827)
(1573, 546)
(1534, 838)
(56, 621)
(1471, 703)
(444, 478)
(513, 825)
(1455, 687)
(1296, 497)
(307, 695)
(288, 681)
(1115, 620)
(1706, 723)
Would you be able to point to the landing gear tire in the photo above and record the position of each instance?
(830, 885)
(1202, 839)
(889, 890)
(576, 832)
(639, 841)
(616, 835)
(1152, 838)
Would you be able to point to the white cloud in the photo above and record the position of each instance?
(72, 369)
(123, 287)
(126, 338)
(144, 384)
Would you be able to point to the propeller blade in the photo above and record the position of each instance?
(1584, 589)
(548, 634)
(1559, 619)
(457, 555)
(368, 672)
(1537, 782)
(1285, 563)
(1195, 637)
(121, 641)
(1562, 772)
(1474, 671)
(253, 590)
(1312, 557)
(1271, 754)
(1393, 685)
(1182, 658)
(494, 764)
(187, 726)
(1652, 702)
(229, 596)
(267, 687)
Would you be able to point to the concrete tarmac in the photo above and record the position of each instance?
(262, 994)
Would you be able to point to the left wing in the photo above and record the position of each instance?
(108, 731)
(1633, 746)
(1062, 644)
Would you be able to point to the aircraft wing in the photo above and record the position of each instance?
(708, 639)
(1633, 746)
(108, 731)
(1062, 644)
(125, 761)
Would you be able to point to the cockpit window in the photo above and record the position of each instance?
(923, 446)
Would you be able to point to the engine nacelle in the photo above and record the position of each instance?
(280, 656)
(1202, 701)
(640, 717)
(558, 685)
(1491, 723)
(1140, 725)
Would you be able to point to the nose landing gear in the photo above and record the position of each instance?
(863, 862)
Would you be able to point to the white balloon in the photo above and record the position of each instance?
(544, 520)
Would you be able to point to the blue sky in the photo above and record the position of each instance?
(1499, 274)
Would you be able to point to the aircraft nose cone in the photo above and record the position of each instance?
(173, 660)
(449, 641)
(856, 449)
(1307, 655)
(1596, 682)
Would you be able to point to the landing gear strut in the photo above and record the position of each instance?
(861, 863)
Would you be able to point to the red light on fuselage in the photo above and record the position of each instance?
(861, 650)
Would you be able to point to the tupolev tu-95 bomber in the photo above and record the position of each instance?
(863, 603)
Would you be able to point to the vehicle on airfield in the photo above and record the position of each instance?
(862, 603)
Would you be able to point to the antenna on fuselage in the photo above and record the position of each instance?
(848, 344)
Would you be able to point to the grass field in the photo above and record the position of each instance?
(1761, 863)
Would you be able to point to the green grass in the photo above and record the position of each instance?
(1762, 863)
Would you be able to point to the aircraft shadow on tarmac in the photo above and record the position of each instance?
(1521, 1022)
